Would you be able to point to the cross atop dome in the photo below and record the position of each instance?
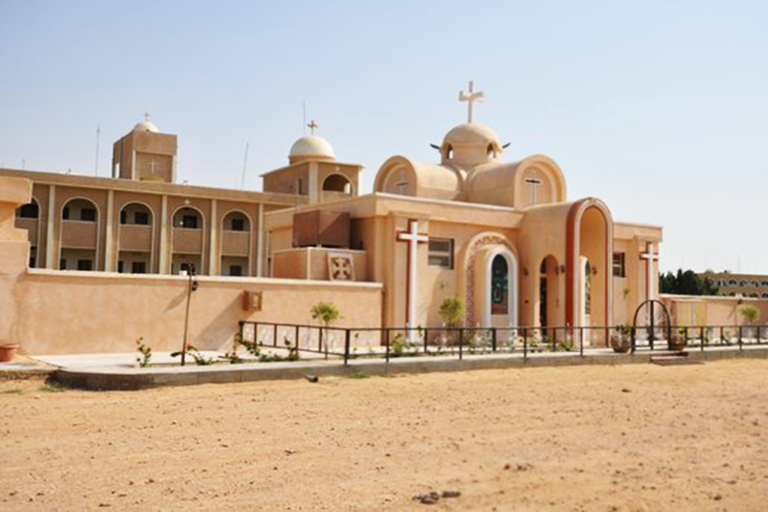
(313, 126)
(471, 97)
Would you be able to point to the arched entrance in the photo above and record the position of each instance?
(589, 267)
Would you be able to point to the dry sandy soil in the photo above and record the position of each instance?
(590, 438)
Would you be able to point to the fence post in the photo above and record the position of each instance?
(320, 341)
(525, 343)
(741, 343)
(461, 343)
(255, 332)
(722, 335)
(346, 347)
(297, 336)
(389, 335)
(702, 338)
(493, 338)
(426, 340)
(274, 337)
(581, 341)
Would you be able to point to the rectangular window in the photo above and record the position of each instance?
(88, 215)
(138, 267)
(141, 218)
(123, 217)
(238, 225)
(62, 264)
(441, 253)
(235, 270)
(189, 222)
(120, 267)
(619, 269)
(85, 265)
(65, 213)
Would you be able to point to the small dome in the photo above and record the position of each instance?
(311, 147)
(471, 134)
(469, 145)
(146, 126)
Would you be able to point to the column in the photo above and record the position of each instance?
(260, 242)
(109, 244)
(49, 228)
(164, 268)
(213, 265)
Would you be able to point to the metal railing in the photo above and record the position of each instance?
(389, 342)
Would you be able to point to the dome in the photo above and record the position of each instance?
(470, 145)
(311, 147)
(471, 134)
(146, 126)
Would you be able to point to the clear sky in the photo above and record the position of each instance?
(658, 108)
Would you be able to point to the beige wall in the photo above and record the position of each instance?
(80, 312)
(711, 311)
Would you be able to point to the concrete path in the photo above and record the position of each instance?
(120, 371)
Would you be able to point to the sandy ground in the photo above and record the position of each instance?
(591, 438)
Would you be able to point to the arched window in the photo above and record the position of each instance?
(188, 218)
(28, 211)
(449, 152)
(236, 221)
(491, 151)
(499, 286)
(136, 214)
(337, 183)
(81, 210)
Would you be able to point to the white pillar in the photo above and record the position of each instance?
(49, 227)
(109, 246)
(260, 242)
(213, 267)
(164, 267)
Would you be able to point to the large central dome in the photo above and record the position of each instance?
(311, 147)
(469, 145)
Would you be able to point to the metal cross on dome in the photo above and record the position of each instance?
(313, 126)
(471, 97)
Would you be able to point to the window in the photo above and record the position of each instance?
(238, 225)
(32, 262)
(65, 213)
(499, 286)
(141, 218)
(138, 267)
(235, 270)
(189, 222)
(88, 214)
(28, 211)
(441, 253)
(120, 267)
(62, 264)
(123, 217)
(85, 265)
(619, 270)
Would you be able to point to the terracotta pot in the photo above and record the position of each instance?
(8, 352)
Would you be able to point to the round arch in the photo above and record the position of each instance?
(170, 249)
(153, 232)
(337, 182)
(62, 227)
(546, 166)
(489, 256)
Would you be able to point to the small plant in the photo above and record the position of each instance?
(567, 345)
(52, 386)
(293, 350)
(327, 313)
(397, 346)
(356, 374)
(145, 353)
(232, 357)
(200, 359)
(252, 348)
(750, 313)
(451, 311)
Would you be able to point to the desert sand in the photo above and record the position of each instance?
(638, 437)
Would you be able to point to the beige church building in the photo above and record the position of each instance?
(501, 235)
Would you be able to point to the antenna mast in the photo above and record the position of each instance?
(304, 120)
(96, 165)
(245, 164)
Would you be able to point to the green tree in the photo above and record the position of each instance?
(327, 313)
(452, 311)
(750, 313)
(686, 282)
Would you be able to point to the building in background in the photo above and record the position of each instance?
(753, 286)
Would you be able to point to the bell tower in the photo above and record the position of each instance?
(145, 154)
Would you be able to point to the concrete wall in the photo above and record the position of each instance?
(688, 310)
(84, 312)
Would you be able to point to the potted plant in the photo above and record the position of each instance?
(620, 339)
(678, 340)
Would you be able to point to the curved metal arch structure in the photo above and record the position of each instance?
(651, 336)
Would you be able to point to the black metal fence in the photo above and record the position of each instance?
(352, 343)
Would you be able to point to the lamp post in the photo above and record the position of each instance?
(191, 286)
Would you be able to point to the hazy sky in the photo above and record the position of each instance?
(659, 108)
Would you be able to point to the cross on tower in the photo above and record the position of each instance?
(402, 183)
(533, 185)
(313, 126)
(471, 97)
(649, 256)
(413, 238)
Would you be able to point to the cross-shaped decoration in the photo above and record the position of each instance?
(471, 97)
(533, 186)
(413, 238)
(402, 183)
(313, 126)
(152, 167)
(649, 256)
